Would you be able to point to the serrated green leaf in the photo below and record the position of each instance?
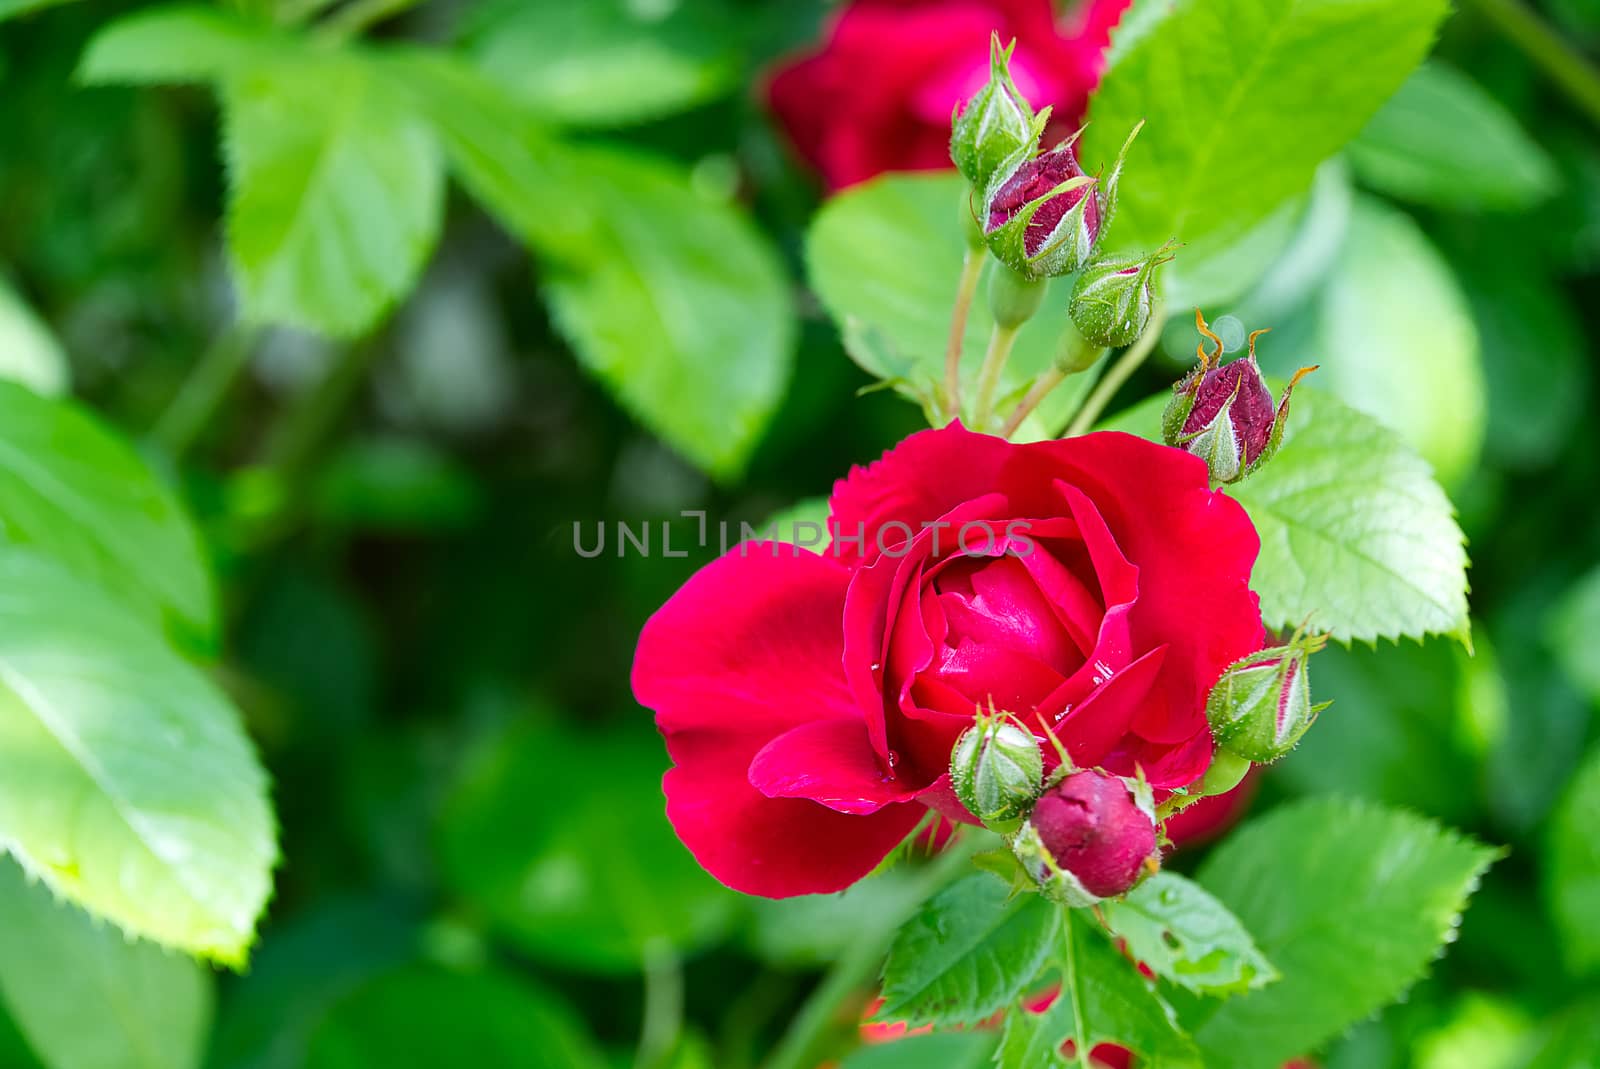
(86, 996)
(945, 1050)
(971, 950)
(1350, 901)
(1396, 340)
(72, 490)
(1572, 874)
(1184, 935)
(593, 882)
(607, 62)
(1443, 141)
(1103, 999)
(885, 258)
(426, 1018)
(126, 782)
(178, 43)
(1241, 102)
(336, 191)
(1355, 532)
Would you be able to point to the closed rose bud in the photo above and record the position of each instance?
(995, 127)
(1223, 413)
(1261, 706)
(1045, 218)
(1113, 301)
(1091, 835)
(996, 770)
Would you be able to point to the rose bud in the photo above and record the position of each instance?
(1092, 835)
(1261, 706)
(1046, 218)
(997, 771)
(1112, 301)
(1224, 414)
(996, 130)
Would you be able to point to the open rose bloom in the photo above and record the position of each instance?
(1095, 587)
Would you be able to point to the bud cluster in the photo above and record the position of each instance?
(1041, 215)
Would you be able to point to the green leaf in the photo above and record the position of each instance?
(1355, 532)
(336, 191)
(1571, 1040)
(426, 1018)
(971, 950)
(1350, 901)
(1103, 1000)
(126, 782)
(885, 258)
(800, 522)
(29, 352)
(1443, 141)
(72, 490)
(812, 930)
(178, 43)
(607, 62)
(1573, 633)
(680, 307)
(87, 997)
(1242, 102)
(945, 1050)
(12, 8)
(1572, 876)
(594, 877)
(1186, 936)
(1413, 363)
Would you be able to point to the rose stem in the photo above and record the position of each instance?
(853, 970)
(1565, 66)
(1041, 387)
(1126, 364)
(209, 384)
(1001, 339)
(971, 268)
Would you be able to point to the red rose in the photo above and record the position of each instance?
(879, 94)
(810, 701)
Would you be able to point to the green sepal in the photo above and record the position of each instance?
(994, 124)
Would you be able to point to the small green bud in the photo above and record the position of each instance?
(994, 125)
(1013, 298)
(997, 771)
(1261, 706)
(1113, 301)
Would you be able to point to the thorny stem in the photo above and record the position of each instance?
(799, 1047)
(204, 390)
(1113, 379)
(971, 268)
(1576, 76)
(1001, 339)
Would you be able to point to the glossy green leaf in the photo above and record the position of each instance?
(86, 996)
(1184, 935)
(126, 782)
(594, 877)
(336, 192)
(971, 950)
(29, 352)
(426, 1018)
(1355, 532)
(1572, 876)
(1103, 999)
(1443, 141)
(607, 62)
(1397, 341)
(944, 1050)
(1350, 901)
(72, 490)
(1241, 103)
(885, 258)
(178, 43)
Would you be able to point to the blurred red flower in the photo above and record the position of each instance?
(878, 95)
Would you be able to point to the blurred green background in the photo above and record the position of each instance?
(475, 868)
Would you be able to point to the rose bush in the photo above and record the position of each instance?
(878, 94)
(1094, 586)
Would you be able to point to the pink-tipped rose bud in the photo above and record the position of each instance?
(1223, 413)
(1045, 217)
(1092, 835)
(1261, 706)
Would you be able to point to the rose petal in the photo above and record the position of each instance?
(1092, 729)
(830, 762)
